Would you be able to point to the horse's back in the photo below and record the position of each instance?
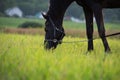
(103, 3)
(111, 3)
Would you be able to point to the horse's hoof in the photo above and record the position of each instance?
(89, 51)
(108, 51)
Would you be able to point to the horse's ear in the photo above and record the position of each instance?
(44, 15)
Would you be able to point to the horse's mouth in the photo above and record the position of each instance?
(49, 45)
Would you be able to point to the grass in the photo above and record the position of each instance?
(14, 22)
(82, 26)
(22, 57)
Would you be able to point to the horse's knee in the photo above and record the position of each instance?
(102, 34)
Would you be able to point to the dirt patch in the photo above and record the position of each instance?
(31, 31)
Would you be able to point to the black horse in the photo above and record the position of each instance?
(54, 20)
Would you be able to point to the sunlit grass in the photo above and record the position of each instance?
(22, 57)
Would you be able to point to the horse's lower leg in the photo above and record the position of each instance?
(105, 43)
(101, 29)
(89, 25)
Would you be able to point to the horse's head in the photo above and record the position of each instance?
(53, 34)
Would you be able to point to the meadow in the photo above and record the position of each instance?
(15, 22)
(23, 57)
(10, 25)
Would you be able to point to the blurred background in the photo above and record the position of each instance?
(33, 8)
(27, 13)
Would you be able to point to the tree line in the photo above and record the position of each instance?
(31, 7)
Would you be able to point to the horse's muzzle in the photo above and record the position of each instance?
(50, 45)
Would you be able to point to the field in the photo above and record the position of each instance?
(10, 25)
(23, 57)
(14, 22)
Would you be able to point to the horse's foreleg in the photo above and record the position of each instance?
(101, 29)
(89, 25)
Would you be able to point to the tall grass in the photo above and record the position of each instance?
(22, 57)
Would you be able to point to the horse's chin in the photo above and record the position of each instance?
(50, 45)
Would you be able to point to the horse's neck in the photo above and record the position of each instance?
(57, 18)
(57, 10)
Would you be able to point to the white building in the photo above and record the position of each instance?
(77, 20)
(15, 11)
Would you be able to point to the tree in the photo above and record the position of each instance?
(111, 14)
(74, 10)
(4, 4)
(31, 7)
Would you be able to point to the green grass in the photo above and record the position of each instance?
(14, 22)
(70, 24)
(82, 26)
(22, 57)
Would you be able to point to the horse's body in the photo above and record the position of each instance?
(102, 3)
(55, 14)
